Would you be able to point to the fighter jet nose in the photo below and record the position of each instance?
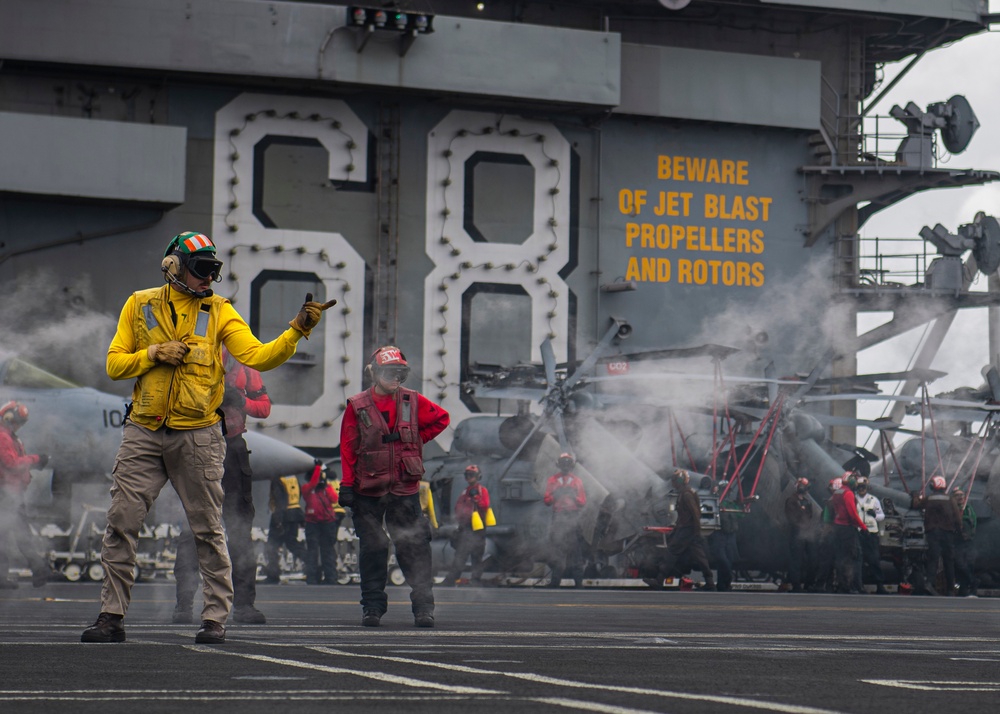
(270, 458)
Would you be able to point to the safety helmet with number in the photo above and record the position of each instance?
(566, 461)
(388, 363)
(938, 483)
(194, 252)
(835, 484)
(13, 414)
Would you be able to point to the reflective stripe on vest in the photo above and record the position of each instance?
(201, 324)
(147, 313)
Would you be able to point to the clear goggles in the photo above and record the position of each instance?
(393, 373)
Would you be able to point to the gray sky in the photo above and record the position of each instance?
(968, 67)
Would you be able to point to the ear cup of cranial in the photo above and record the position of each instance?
(171, 265)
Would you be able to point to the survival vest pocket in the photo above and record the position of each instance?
(413, 467)
(195, 382)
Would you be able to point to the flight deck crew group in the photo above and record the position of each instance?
(195, 362)
(840, 550)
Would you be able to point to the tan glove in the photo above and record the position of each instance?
(309, 314)
(168, 352)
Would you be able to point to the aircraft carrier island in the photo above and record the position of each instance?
(624, 230)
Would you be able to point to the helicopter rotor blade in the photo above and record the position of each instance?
(560, 430)
(876, 424)
(772, 386)
(921, 375)
(588, 364)
(993, 379)
(813, 376)
(529, 394)
(549, 361)
(825, 419)
(691, 376)
(933, 401)
(969, 416)
(707, 350)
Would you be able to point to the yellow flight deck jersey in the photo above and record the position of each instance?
(185, 397)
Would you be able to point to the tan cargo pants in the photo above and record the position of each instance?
(192, 460)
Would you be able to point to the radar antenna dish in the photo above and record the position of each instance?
(985, 231)
(960, 123)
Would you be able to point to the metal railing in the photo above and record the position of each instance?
(883, 263)
(869, 140)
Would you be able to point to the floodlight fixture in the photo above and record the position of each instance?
(370, 19)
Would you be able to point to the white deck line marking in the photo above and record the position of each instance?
(588, 706)
(932, 686)
(331, 696)
(543, 679)
(377, 676)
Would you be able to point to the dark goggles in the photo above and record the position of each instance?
(392, 373)
(204, 268)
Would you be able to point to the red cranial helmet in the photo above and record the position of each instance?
(13, 414)
(389, 363)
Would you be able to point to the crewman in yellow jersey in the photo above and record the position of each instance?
(169, 340)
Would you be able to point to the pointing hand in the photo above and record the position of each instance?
(310, 314)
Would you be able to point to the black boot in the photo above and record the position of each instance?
(108, 628)
(211, 633)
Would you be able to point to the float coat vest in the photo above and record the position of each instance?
(292, 491)
(388, 461)
(188, 396)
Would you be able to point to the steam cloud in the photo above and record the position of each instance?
(57, 329)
